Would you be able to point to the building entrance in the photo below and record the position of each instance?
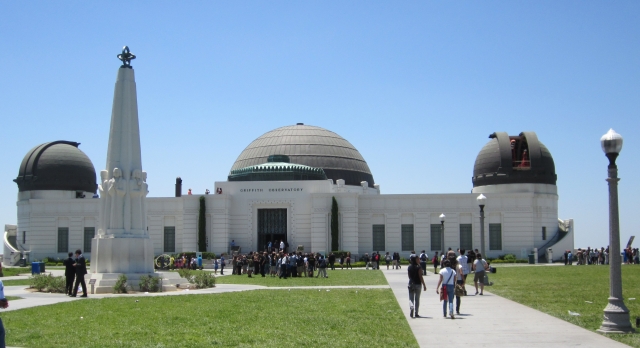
(272, 227)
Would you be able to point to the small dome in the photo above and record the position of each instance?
(310, 146)
(58, 165)
(514, 160)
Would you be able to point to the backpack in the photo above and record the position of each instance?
(300, 262)
(322, 263)
(377, 257)
(423, 257)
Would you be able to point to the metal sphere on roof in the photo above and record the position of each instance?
(521, 159)
(58, 165)
(311, 146)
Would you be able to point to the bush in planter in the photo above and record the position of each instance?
(203, 280)
(121, 285)
(186, 273)
(149, 283)
(48, 283)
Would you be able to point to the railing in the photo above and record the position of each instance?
(14, 257)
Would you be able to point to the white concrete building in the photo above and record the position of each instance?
(281, 187)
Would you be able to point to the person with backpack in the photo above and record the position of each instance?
(366, 260)
(423, 261)
(479, 266)
(387, 259)
(377, 259)
(322, 267)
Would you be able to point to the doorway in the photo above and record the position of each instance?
(272, 227)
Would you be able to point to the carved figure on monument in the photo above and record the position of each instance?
(136, 193)
(104, 205)
(117, 191)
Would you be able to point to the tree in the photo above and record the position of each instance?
(202, 226)
(335, 233)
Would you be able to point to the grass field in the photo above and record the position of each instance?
(14, 271)
(26, 282)
(266, 318)
(337, 277)
(558, 290)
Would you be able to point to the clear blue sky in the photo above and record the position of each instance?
(417, 87)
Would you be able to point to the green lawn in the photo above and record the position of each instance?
(262, 318)
(16, 282)
(337, 277)
(14, 271)
(557, 290)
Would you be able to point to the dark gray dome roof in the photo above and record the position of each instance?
(311, 146)
(497, 164)
(58, 165)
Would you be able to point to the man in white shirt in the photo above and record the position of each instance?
(463, 261)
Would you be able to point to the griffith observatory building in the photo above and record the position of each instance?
(281, 187)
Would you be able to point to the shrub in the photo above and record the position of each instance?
(48, 283)
(203, 280)
(57, 284)
(38, 281)
(149, 283)
(121, 285)
(186, 273)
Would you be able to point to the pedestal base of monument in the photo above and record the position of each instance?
(104, 282)
(122, 255)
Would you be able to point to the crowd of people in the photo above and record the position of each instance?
(454, 269)
(283, 264)
(600, 256)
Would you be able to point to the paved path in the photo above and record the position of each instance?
(487, 321)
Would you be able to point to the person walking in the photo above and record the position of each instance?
(461, 279)
(387, 259)
(435, 261)
(349, 260)
(447, 280)
(465, 270)
(423, 261)
(69, 273)
(322, 267)
(81, 269)
(479, 267)
(416, 285)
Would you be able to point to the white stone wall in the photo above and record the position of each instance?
(521, 209)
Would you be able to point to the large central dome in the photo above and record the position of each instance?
(311, 146)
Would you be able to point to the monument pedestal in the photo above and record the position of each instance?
(122, 255)
(104, 282)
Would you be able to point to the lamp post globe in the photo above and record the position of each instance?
(442, 217)
(482, 201)
(616, 314)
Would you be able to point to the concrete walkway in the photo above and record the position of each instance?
(487, 321)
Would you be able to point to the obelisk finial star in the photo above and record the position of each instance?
(126, 56)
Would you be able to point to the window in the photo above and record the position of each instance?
(63, 239)
(436, 237)
(378, 237)
(544, 233)
(169, 239)
(89, 233)
(466, 237)
(407, 237)
(495, 236)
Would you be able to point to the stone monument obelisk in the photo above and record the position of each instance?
(122, 244)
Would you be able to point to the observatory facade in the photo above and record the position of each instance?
(281, 188)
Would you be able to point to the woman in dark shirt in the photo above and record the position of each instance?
(416, 285)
